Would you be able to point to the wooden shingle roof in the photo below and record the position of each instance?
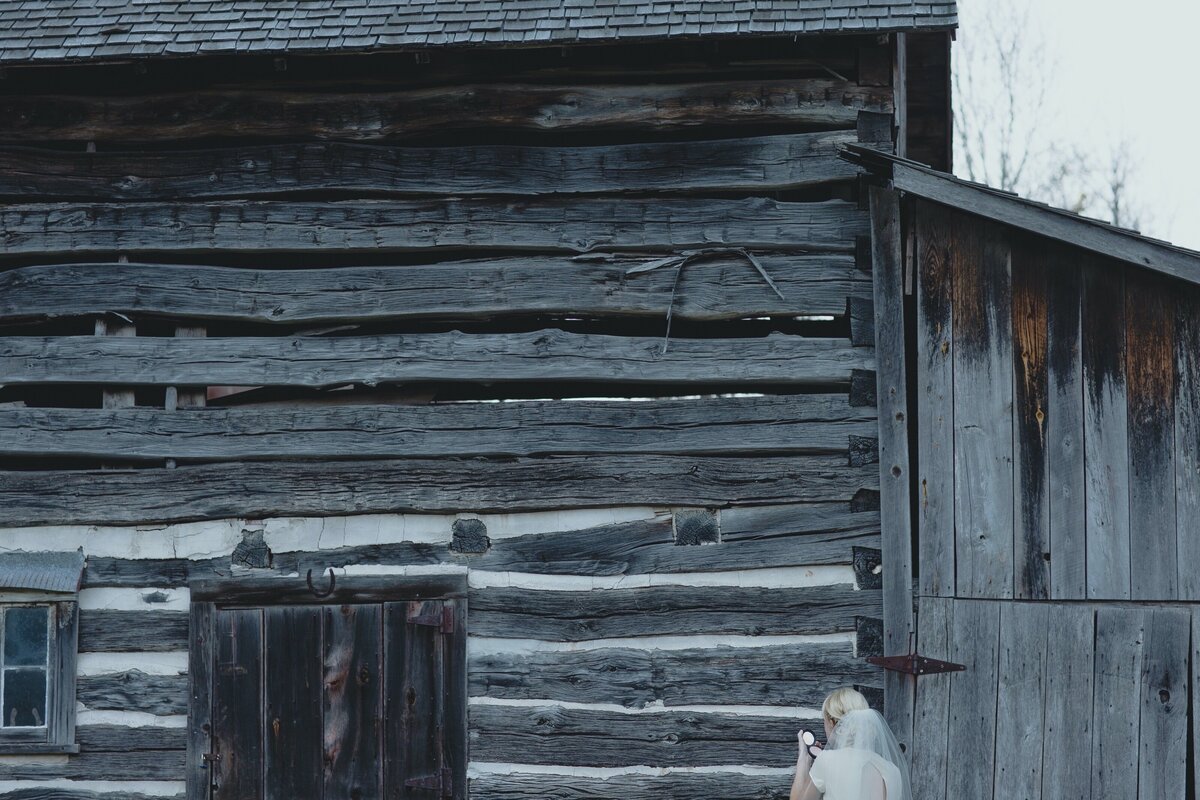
(44, 31)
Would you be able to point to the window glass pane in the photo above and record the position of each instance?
(25, 636)
(24, 698)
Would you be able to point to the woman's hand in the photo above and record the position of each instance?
(804, 760)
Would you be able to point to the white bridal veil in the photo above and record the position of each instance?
(862, 761)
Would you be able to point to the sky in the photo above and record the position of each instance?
(1126, 70)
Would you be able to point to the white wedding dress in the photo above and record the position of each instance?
(862, 761)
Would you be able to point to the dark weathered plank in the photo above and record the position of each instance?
(545, 355)
(200, 681)
(667, 610)
(722, 286)
(557, 735)
(103, 631)
(134, 690)
(569, 225)
(672, 786)
(414, 701)
(983, 400)
(122, 738)
(1194, 684)
(380, 115)
(1117, 704)
(134, 765)
(353, 701)
(971, 753)
(787, 675)
(273, 590)
(449, 485)
(1187, 442)
(1106, 434)
(1064, 434)
(1021, 700)
(292, 702)
(157, 572)
(238, 708)
(455, 735)
(1066, 761)
(935, 402)
(1150, 393)
(38, 793)
(887, 259)
(1163, 729)
(760, 425)
(761, 164)
(1031, 508)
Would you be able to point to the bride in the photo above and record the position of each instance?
(862, 760)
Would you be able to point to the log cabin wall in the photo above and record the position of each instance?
(1055, 500)
(443, 292)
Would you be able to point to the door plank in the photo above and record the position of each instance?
(293, 689)
(970, 757)
(1115, 716)
(413, 694)
(931, 723)
(1067, 747)
(238, 705)
(352, 716)
(1020, 701)
(1163, 748)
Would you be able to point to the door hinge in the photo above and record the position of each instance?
(442, 618)
(441, 782)
(913, 664)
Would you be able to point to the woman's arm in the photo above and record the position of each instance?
(802, 785)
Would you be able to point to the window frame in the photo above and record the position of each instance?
(58, 734)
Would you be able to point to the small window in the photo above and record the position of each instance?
(38, 633)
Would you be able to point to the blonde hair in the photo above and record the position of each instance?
(841, 702)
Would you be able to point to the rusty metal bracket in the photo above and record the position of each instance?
(913, 664)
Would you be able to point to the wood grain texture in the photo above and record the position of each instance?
(718, 287)
(413, 699)
(352, 700)
(238, 704)
(550, 224)
(546, 355)
(760, 164)
(557, 735)
(667, 610)
(1031, 423)
(983, 408)
(1021, 701)
(935, 402)
(293, 756)
(449, 485)
(1150, 393)
(1065, 435)
(1106, 432)
(789, 675)
(1187, 441)
(102, 631)
(134, 690)
(134, 765)
(675, 786)
(1067, 720)
(377, 115)
(1119, 645)
(971, 753)
(38, 793)
(761, 425)
(1163, 728)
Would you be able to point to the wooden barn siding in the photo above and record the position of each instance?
(1069, 465)
(770, 610)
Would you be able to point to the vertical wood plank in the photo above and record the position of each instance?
(931, 719)
(970, 758)
(352, 719)
(201, 635)
(1194, 687)
(293, 690)
(1187, 442)
(1070, 662)
(1106, 443)
(1021, 700)
(414, 708)
(1163, 730)
(1150, 367)
(238, 704)
(1064, 440)
(935, 403)
(1116, 710)
(456, 746)
(892, 399)
(983, 408)
(1031, 509)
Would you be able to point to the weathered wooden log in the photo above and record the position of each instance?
(576, 737)
(760, 164)
(791, 675)
(125, 497)
(102, 631)
(760, 425)
(553, 224)
(545, 355)
(134, 765)
(817, 103)
(120, 738)
(663, 610)
(721, 288)
(517, 786)
(134, 690)
(39, 793)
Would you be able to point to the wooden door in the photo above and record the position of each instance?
(353, 701)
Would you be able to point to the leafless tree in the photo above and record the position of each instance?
(1002, 121)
